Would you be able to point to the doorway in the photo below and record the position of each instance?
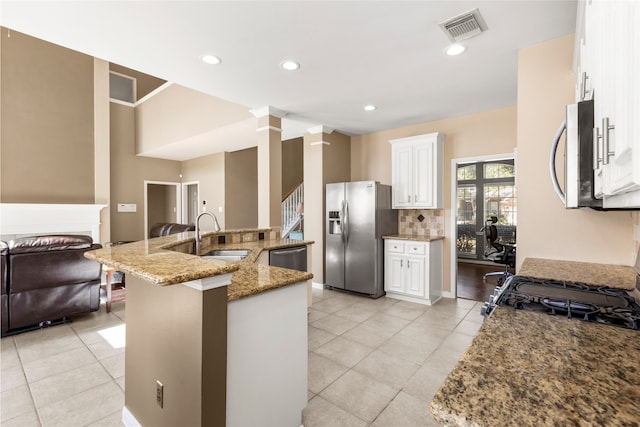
(161, 203)
(482, 187)
(190, 202)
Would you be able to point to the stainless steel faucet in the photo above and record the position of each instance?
(216, 227)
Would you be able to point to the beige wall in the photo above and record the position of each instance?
(545, 228)
(209, 172)
(178, 113)
(241, 189)
(292, 164)
(336, 158)
(476, 135)
(128, 173)
(47, 132)
(176, 335)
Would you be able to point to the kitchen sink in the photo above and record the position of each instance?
(227, 254)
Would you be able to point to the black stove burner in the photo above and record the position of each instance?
(573, 299)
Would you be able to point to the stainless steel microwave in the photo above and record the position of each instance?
(579, 145)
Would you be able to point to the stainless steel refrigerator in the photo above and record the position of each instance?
(358, 214)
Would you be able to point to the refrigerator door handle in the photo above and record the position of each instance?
(346, 221)
(342, 224)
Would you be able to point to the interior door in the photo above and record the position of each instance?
(190, 202)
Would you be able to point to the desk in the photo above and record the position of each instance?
(115, 292)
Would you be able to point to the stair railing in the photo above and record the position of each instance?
(292, 210)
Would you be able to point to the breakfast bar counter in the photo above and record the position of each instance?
(211, 342)
(163, 261)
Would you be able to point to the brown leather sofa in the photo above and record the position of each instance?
(4, 302)
(47, 279)
(166, 228)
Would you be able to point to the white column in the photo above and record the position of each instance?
(269, 134)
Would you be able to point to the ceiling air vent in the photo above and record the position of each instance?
(464, 26)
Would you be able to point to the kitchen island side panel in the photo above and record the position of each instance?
(170, 339)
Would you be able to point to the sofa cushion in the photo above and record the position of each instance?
(48, 269)
(33, 307)
(167, 228)
(4, 250)
(57, 242)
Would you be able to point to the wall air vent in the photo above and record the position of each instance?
(464, 26)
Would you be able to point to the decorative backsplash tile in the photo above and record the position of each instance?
(421, 222)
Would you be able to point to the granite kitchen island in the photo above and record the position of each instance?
(212, 342)
(529, 369)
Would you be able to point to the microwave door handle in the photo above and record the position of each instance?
(552, 162)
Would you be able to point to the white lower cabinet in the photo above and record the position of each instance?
(413, 270)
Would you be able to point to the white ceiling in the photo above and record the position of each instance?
(352, 53)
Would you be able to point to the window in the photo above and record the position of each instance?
(122, 88)
(490, 187)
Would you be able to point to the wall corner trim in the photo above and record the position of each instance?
(269, 128)
(128, 419)
(208, 283)
(320, 129)
(268, 110)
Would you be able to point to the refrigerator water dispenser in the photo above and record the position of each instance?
(334, 222)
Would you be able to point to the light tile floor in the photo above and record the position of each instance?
(371, 362)
(379, 362)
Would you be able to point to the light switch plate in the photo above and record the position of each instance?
(127, 207)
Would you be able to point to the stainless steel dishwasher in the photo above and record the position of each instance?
(293, 258)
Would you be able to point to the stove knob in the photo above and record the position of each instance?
(485, 309)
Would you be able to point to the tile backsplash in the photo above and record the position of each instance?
(421, 222)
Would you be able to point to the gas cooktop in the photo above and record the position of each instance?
(572, 299)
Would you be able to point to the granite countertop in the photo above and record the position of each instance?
(613, 276)
(154, 261)
(529, 368)
(413, 237)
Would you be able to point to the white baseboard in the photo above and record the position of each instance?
(128, 419)
(447, 294)
(317, 285)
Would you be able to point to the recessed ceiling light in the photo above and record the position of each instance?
(455, 49)
(210, 59)
(370, 107)
(290, 65)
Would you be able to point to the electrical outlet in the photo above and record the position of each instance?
(159, 394)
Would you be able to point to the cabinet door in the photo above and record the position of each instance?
(402, 176)
(395, 265)
(415, 276)
(612, 63)
(624, 173)
(423, 167)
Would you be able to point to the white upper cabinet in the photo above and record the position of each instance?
(417, 181)
(609, 49)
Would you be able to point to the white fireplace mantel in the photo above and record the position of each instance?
(28, 219)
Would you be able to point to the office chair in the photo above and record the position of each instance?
(496, 252)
